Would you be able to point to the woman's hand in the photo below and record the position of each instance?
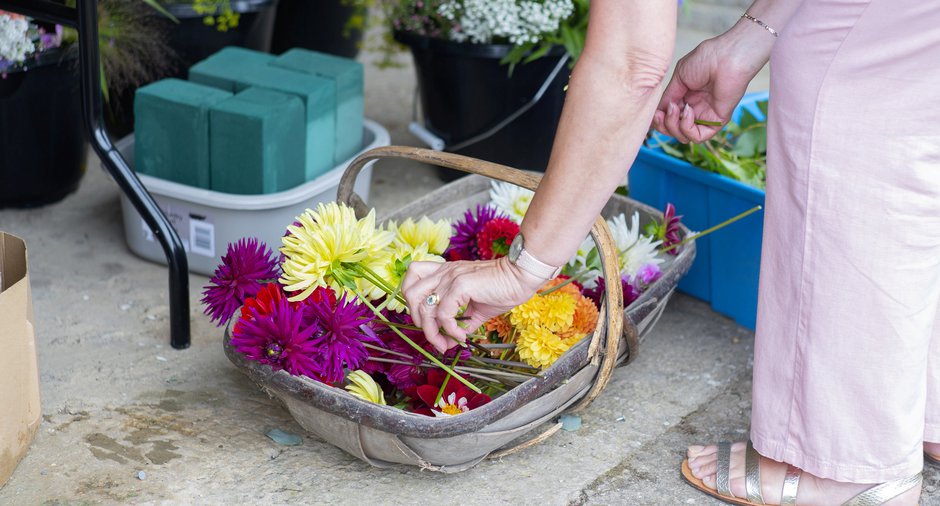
(487, 289)
(708, 83)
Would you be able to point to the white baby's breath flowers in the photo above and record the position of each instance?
(15, 44)
(518, 21)
(511, 199)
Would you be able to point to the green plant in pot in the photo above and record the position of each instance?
(491, 74)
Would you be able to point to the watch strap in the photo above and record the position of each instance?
(536, 267)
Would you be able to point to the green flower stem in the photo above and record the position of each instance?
(570, 280)
(371, 276)
(708, 123)
(428, 366)
(709, 230)
(414, 345)
(440, 393)
(386, 350)
(497, 372)
(507, 363)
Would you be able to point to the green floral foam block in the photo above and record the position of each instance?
(318, 94)
(347, 75)
(257, 142)
(225, 68)
(171, 130)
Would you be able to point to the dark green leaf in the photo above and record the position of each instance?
(747, 119)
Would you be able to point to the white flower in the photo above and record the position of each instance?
(15, 44)
(636, 250)
(518, 21)
(511, 199)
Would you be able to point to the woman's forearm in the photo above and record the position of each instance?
(612, 95)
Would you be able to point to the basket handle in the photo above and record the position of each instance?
(606, 340)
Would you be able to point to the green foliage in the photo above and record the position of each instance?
(739, 151)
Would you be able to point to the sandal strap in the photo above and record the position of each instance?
(791, 485)
(880, 494)
(722, 478)
(752, 475)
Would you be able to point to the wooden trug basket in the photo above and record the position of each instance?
(383, 435)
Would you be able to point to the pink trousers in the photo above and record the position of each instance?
(847, 361)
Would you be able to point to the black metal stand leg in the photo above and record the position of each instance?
(125, 177)
(85, 20)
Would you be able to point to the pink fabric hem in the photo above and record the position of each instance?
(832, 471)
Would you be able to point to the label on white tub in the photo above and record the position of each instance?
(196, 232)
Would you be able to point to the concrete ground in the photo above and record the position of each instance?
(127, 419)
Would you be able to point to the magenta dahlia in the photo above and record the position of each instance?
(339, 329)
(630, 291)
(246, 265)
(271, 331)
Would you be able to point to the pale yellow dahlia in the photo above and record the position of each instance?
(540, 347)
(364, 387)
(327, 244)
(391, 267)
(411, 234)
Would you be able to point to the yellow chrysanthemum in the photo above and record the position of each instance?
(411, 234)
(554, 312)
(364, 387)
(540, 347)
(327, 243)
(391, 267)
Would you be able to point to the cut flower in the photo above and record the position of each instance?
(246, 264)
(328, 247)
(272, 332)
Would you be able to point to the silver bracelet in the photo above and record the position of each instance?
(760, 23)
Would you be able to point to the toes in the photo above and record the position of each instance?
(704, 470)
(695, 451)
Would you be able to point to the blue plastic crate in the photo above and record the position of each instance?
(727, 262)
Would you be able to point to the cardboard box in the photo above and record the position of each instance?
(19, 381)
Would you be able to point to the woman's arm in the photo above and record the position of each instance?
(612, 95)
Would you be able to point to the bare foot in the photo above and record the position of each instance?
(812, 490)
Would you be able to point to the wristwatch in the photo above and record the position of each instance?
(521, 258)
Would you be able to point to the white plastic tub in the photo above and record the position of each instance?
(207, 221)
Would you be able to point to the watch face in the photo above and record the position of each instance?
(515, 248)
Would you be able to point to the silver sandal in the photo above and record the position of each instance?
(878, 494)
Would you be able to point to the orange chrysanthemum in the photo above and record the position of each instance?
(501, 325)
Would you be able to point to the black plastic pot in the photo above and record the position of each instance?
(42, 150)
(193, 40)
(466, 92)
(317, 25)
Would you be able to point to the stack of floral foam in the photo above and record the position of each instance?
(249, 122)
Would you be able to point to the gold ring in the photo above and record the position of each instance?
(432, 299)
